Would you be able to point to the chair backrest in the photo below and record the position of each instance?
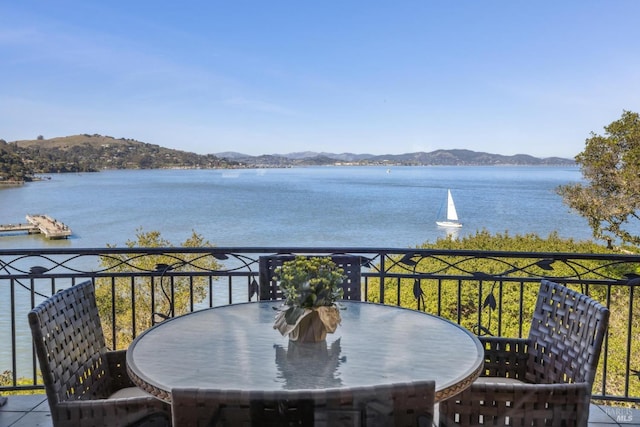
(194, 407)
(69, 342)
(408, 404)
(269, 289)
(566, 336)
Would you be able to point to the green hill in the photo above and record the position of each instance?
(88, 153)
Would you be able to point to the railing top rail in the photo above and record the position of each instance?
(323, 250)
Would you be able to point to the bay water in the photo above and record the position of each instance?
(316, 206)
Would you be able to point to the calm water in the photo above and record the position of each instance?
(319, 206)
(316, 206)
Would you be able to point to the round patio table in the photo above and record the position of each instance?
(235, 347)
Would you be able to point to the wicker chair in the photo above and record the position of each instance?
(86, 385)
(269, 287)
(366, 406)
(543, 380)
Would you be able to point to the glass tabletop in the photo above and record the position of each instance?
(236, 348)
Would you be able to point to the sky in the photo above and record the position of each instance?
(378, 77)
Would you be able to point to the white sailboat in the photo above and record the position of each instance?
(452, 215)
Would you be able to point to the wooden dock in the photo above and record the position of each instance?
(51, 228)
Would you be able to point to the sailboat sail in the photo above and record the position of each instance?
(452, 214)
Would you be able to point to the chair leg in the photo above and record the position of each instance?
(3, 400)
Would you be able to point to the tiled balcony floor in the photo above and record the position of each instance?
(33, 411)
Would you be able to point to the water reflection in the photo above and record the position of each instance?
(452, 232)
(309, 365)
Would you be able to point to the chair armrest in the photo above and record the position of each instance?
(505, 357)
(117, 362)
(131, 411)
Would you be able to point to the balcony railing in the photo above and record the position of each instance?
(490, 293)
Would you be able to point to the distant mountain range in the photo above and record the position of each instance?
(21, 160)
(434, 158)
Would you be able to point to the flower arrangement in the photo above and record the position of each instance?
(310, 286)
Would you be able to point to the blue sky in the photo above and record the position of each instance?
(375, 77)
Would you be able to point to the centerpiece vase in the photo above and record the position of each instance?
(309, 329)
(312, 326)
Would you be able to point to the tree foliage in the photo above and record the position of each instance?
(12, 168)
(156, 292)
(610, 200)
(461, 301)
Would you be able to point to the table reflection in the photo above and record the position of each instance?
(318, 360)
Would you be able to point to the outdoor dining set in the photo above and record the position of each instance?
(384, 366)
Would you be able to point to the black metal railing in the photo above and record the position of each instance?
(490, 293)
